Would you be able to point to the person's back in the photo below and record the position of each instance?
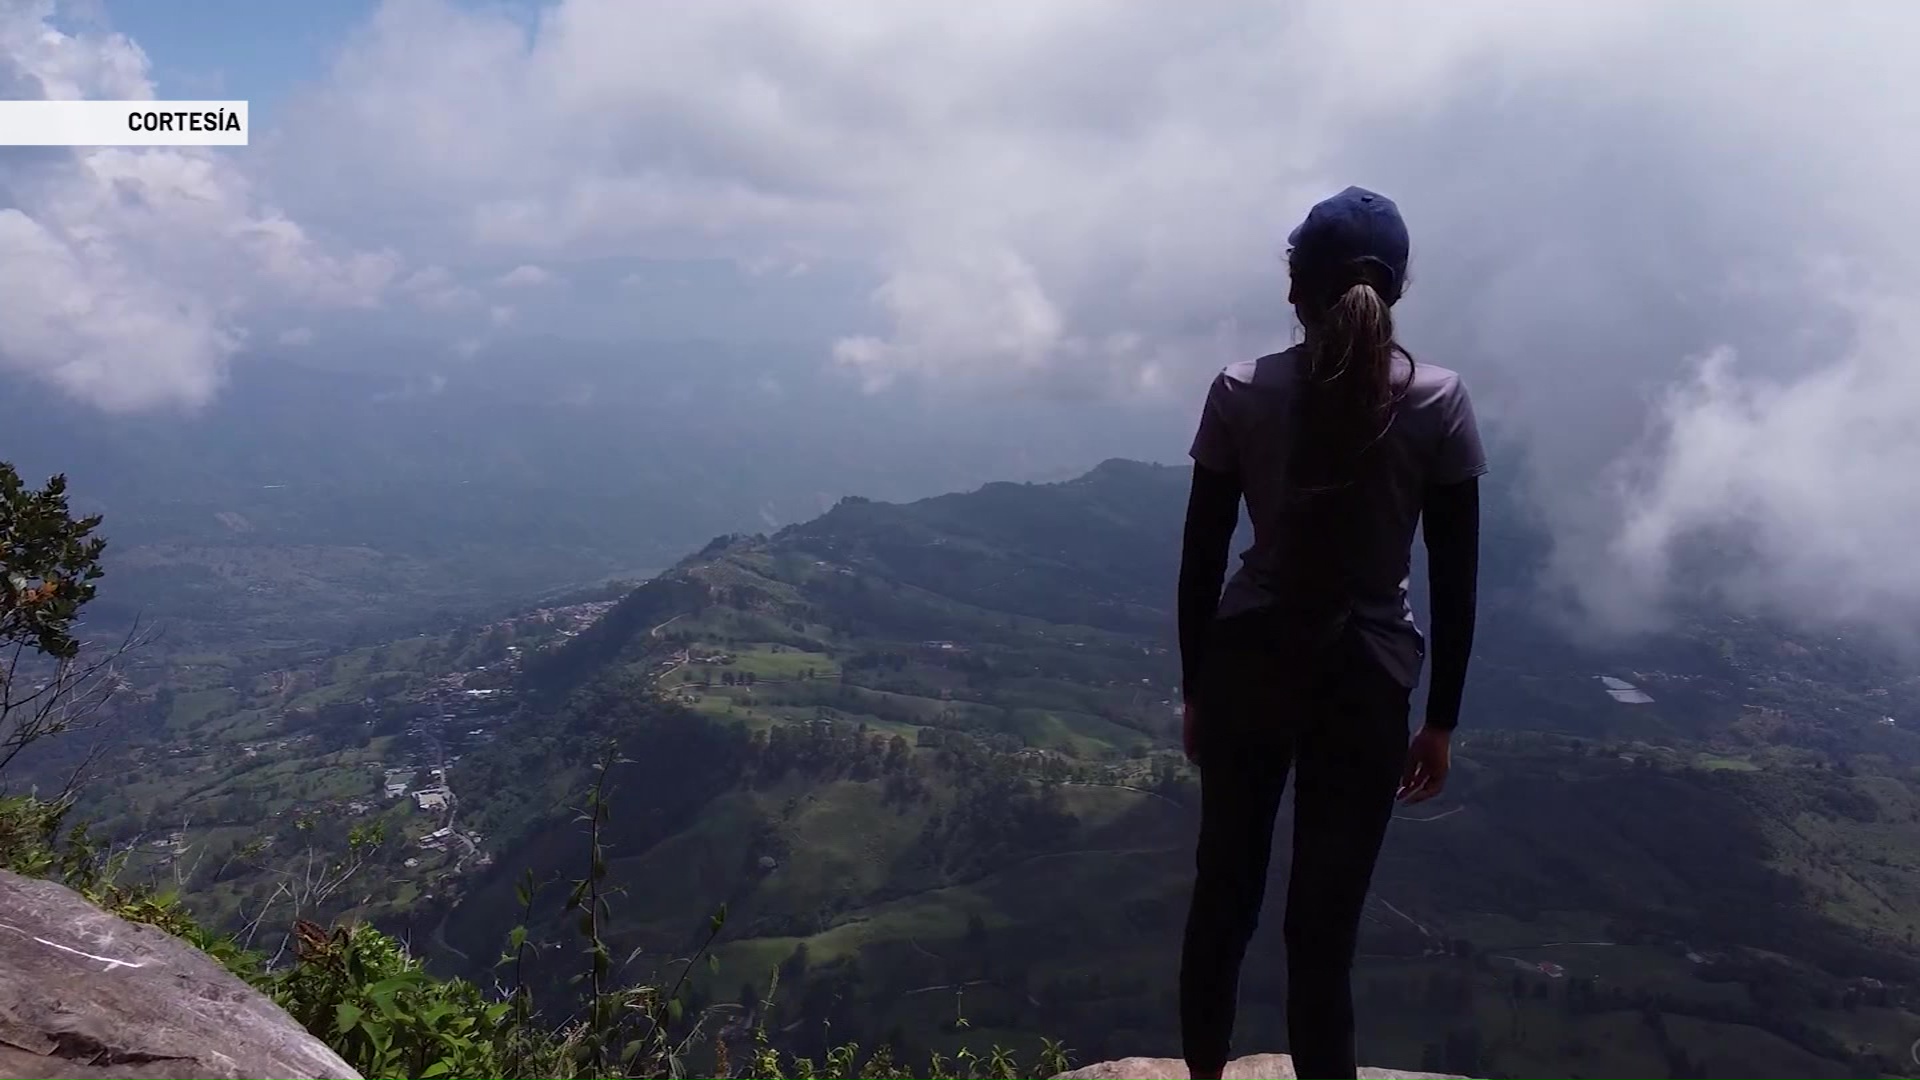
(1340, 447)
(1249, 417)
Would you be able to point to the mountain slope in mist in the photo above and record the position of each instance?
(323, 500)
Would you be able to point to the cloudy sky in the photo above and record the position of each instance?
(1671, 246)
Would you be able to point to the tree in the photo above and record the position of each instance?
(49, 560)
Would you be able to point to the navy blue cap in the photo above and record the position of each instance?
(1356, 224)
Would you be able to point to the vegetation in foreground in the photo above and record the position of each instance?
(362, 993)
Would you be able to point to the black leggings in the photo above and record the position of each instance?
(1344, 733)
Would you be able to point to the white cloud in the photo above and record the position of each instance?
(125, 273)
(524, 276)
(434, 288)
(500, 314)
(1085, 197)
(1797, 482)
(297, 337)
(1127, 175)
(92, 328)
(1080, 197)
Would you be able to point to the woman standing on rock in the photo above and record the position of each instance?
(1340, 446)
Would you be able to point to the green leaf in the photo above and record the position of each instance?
(345, 1016)
(438, 1068)
(393, 984)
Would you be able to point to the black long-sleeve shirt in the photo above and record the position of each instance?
(1213, 510)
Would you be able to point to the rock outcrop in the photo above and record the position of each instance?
(1252, 1067)
(87, 994)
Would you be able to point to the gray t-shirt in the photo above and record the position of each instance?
(1246, 429)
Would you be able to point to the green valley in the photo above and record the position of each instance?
(923, 754)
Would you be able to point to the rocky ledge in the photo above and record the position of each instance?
(87, 994)
(1253, 1067)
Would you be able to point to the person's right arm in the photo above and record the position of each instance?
(1450, 514)
(1452, 527)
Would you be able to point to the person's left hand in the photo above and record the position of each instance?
(1429, 757)
(1190, 732)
